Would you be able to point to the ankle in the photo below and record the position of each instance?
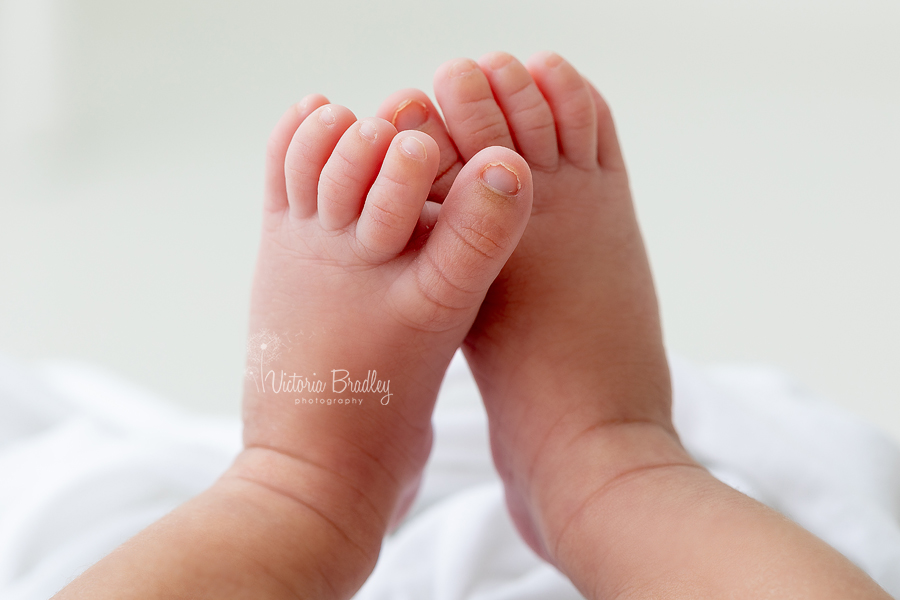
(575, 470)
(321, 530)
(630, 384)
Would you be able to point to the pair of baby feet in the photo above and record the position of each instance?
(506, 227)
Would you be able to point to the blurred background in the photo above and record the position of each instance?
(763, 139)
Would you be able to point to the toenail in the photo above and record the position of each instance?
(414, 147)
(553, 60)
(462, 67)
(368, 131)
(497, 60)
(411, 114)
(501, 178)
(327, 116)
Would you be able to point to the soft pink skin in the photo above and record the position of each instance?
(357, 268)
(349, 277)
(356, 280)
(567, 351)
(578, 290)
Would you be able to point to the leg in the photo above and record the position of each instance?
(347, 291)
(567, 351)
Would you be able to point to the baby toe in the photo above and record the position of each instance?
(572, 105)
(609, 151)
(528, 115)
(411, 109)
(398, 195)
(351, 170)
(277, 148)
(473, 117)
(309, 150)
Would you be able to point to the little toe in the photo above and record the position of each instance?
(276, 150)
(527, 112)
(609, 151)
(572, 105)
(350, 171)
(397, 197)
(473, 117)
(309, 149)
(479, 225)
(412, 109)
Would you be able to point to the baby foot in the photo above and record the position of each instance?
(567, 348)
(349, 289)
(568, 354)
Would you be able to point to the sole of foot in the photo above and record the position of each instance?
(363, 291)
(568, 340)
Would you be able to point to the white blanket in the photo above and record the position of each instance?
(87, 460)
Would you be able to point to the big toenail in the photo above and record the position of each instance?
(553, 60)
(327, 116)
(414, 147)
(368, 131)
(497, 60)
(411, 114)
(461, 67)
(501, 178)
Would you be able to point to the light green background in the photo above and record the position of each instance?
(763, 139)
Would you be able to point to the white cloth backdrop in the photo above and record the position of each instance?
(87, 460)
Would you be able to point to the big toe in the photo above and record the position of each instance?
(479, 226)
